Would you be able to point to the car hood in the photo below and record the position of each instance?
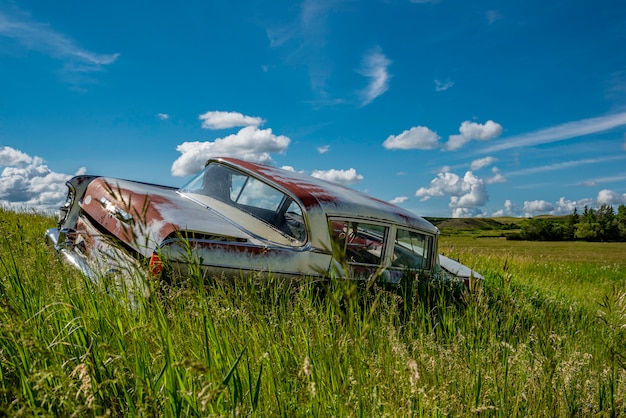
(142, 215)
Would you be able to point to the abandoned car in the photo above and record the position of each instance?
(237, 217)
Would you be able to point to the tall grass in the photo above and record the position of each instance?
(212, 346)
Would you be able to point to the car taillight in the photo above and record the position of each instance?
(156, 265)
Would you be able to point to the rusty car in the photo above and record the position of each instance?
(236, 217)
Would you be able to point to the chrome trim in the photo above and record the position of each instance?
(52, 238)
(116, 211)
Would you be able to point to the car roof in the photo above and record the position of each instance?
(332, 198)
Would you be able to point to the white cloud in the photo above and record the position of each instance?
(375, 67)
(466, 213)
(345, 177)
(323, 149)
(497, 177)
(398, 200)
(537, 207)
(163, 116)
(609, 197)
(26, 182)
(566, 164)
(482, 162)
(418, 137)
(532, 208)
(467, 192)
(40, 37)
(11, 157)
(509, 210)
(250, 143)
(225, 120)
(443, 85)
(564, 206)
(472, 130)
(599, 180)
(560, 132)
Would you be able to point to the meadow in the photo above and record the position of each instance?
(543, 335)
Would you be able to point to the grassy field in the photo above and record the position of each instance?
(545, 335)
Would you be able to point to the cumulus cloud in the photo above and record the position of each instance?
(482, 162)
(345, 177)
(466, 213)
(163, 116)
(537, 207)
(509, 210)
(532, 208)
(609, 197)
(472, 130)
(398, 200)
(27, 182)
(250, 143)
(375, 67)
(225, 120)
(418, 137)
(468, 192)
(564, 206)
(12, 157)
(496, 178)
(40, 37)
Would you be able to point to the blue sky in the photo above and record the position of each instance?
(447, 108)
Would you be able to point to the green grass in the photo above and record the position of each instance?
(544, 336)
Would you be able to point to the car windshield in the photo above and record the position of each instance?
(250, 195)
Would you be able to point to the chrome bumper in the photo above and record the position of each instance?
(55, 238)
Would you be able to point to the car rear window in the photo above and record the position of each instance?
(252, 196)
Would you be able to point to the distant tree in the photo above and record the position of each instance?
(620, 221)
(587, 231)
(605, 217)
(588, 216)
(570, 226)
(542, 230)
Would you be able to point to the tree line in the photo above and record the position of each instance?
(602, 224)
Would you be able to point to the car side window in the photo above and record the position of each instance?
(358, 242)
(411, 250)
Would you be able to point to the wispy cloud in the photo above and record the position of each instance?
(565, 164)
(443, 85)
(600, 180)
(42, 38)
(560, 132)
(493, 16)
(376, 68)
(482, 162)
(323, 149)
